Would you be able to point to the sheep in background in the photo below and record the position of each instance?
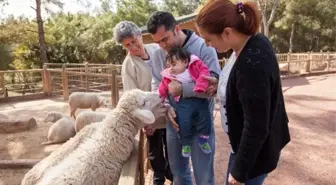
(97, 153)
(87, 117)
(85, 100)
(62, 129)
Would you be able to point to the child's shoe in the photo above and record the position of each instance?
(186, 151)
(203, 143)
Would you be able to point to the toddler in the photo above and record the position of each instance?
(192, 114)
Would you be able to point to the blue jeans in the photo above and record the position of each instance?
(203, 164)
(192, 116)
(255, 181)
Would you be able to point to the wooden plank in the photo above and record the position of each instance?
(89, 74)
(113, 89)
(130, 169)
(22, 71)
(141, 159)
(18, 163)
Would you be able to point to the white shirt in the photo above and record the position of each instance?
(221, 92)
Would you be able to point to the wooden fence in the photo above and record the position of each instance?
(56, 79)
(63, 79)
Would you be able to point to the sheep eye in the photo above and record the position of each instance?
(144, 103)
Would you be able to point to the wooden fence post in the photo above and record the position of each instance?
(45, 79)
(288, 61)
(142, 158)
(328, 61)
(3, 84)
(308, 62)
(65, 83)
(113, 88)
(86, 76)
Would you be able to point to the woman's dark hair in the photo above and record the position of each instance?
(216, 15)
(178, 53)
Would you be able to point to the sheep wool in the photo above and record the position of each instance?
(62, 129)
(87, 117)
(85, 100)
(97, 153)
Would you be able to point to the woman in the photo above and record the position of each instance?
(136, 73)
(252, 105)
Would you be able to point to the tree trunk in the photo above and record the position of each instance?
(266, 23)
(9, 126)
(266, 30)
(261, 28)
(43, 51)
(291, 38)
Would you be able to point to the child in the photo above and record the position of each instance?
(186, 68)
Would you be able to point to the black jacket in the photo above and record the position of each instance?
(257, 118)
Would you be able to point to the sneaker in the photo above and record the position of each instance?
(203, 143)
(205, 147)
(186, 151)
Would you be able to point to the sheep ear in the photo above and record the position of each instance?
(145, 116)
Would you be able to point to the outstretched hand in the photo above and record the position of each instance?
(175, 88)
(213, 84)
(171, 116)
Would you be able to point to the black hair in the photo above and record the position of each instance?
(161, 18)
(178, 53)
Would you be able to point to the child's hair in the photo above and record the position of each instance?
(178, 53)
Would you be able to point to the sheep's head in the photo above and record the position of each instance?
(140, 104)
(103, 102)
(53, 117)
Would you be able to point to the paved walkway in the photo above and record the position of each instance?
(310, 157)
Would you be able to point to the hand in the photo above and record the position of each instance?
(213, 84)
(233, 181)
(175, 88)
(171, 116)
(159, 110)
(149, 130)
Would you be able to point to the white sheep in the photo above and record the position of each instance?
(85, 100)
(62, 129)
(97, 153)
(86, 117)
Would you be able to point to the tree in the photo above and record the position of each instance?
(267, 14)
(303, 28)
(137, 11)
(181, 7)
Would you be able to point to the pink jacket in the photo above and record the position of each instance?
(196, 68)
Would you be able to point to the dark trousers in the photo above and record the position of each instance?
(158, 157)
(187, 111)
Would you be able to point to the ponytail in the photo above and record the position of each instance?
(251, 19)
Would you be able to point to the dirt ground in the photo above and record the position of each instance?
(309, 159)
(27, 145)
